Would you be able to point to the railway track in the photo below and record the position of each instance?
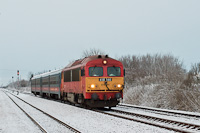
(172, 125)
(176, 126)
(168, 124)
(63, 126)
(35, 122)
(159, 111)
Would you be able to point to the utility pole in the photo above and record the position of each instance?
(12, 82)
(18, 79)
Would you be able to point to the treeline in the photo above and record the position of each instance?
(19, 84)
(152, 69)
(159, 68)
(161, 81)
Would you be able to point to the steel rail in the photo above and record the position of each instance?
(148, 122)
(36, 123)
(158, 110)
(178, 123)
(59, 121)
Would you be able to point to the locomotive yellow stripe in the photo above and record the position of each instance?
(100, 85)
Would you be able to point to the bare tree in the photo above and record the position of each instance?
(193, 76)
(188, 81)
(157, 68)
(23, 83)
(30, 75)
(196, 70)
(91, 52)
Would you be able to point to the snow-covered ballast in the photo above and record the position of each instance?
(47, 84)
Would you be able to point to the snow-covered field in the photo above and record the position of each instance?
(13, 120)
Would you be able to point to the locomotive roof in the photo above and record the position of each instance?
(75, 64)
(47, 74)
(83, 61)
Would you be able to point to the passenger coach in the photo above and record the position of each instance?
(95, 81)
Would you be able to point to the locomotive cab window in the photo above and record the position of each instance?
(114, 71)
(96, 71)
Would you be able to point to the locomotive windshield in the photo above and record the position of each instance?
(114, 71)
(96, 71)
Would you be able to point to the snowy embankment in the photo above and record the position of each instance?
(82, 119)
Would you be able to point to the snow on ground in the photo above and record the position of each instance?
(25, 90)
(12, 119)
(84, 120)
(45, 121)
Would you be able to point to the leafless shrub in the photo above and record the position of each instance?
(193, 77)
(148, 95)
(23, 83)
(164, 96)
(196, 69)
(19, 84)
(188, 81)
(187, 100)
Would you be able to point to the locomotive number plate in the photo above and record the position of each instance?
(105, 79)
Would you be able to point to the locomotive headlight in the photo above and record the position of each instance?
(119, 85)
(105, 62)
(92, 86)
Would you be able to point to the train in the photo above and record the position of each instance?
(96, 81)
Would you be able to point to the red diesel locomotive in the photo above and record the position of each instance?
(95, 81)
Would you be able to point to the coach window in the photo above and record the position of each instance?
(53, 80)
(96, 71)
(37, 82)
(67, 76)
(45, 81)
(33, 82)
(114, 71)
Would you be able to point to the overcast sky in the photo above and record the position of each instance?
(37, 35)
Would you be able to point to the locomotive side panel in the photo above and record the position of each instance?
(72, 81)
